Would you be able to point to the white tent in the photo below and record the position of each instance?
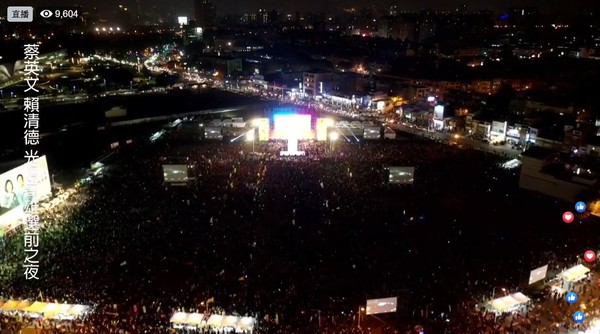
(179, 318)
(55, 311)
(574, 274)
(508, 303)
(215, 320)
(230, 321)
(37, 307)
(48, 310)
(240, 324)
(195, 319)
(10, 305)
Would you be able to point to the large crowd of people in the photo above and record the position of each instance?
(299, 242)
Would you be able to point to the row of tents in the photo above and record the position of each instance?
(46, 310)
(516, 300)
(239, 324)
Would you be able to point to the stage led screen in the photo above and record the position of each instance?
(263, 128)
(383, 305)
(401, 175)
(372, 132)
(322, 125)
(22, 185)
(213, 133)
(538, 274)
(292, 126)
(175, 173)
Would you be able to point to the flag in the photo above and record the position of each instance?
(210, 300)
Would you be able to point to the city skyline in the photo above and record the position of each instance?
(187, 7)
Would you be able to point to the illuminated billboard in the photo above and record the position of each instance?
(383, 305)
(213, 133)
(288, 126)
(182, 20)
(438, 112)
(263, 128)
(175, 173)
(322, 125)
(22, 185)
(372, 132)
(499, 128)
(401, 175)
(538, 274)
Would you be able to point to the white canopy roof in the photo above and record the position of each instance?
(574, 274)
(508, 303)
(215, 320)
(48, 310)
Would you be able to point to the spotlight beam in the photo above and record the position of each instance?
(238, 137)
(347, 139)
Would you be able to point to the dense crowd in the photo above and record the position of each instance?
(297, 242)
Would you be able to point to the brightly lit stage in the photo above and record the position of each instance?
(292, 125)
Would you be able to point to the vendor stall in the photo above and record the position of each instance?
(573, 275)
(217, 322)
(46, 310)
(508, 303)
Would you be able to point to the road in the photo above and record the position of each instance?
(13, 104)
(461, 140)
(443, 137)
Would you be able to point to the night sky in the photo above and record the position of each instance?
(185, 7)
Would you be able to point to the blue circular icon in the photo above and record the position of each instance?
(572, 297)
(578, 316)
(580, 207)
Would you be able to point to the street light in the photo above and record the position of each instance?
(360, 311)
(250, 137)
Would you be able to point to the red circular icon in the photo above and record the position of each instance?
(589, 256)
(568, 217)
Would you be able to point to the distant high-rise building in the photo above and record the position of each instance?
(521, 17)
(262, 16)
(139, 10)
(393, 9)
(123, 16)
(205, 13)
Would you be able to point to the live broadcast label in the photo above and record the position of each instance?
(19, 14)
